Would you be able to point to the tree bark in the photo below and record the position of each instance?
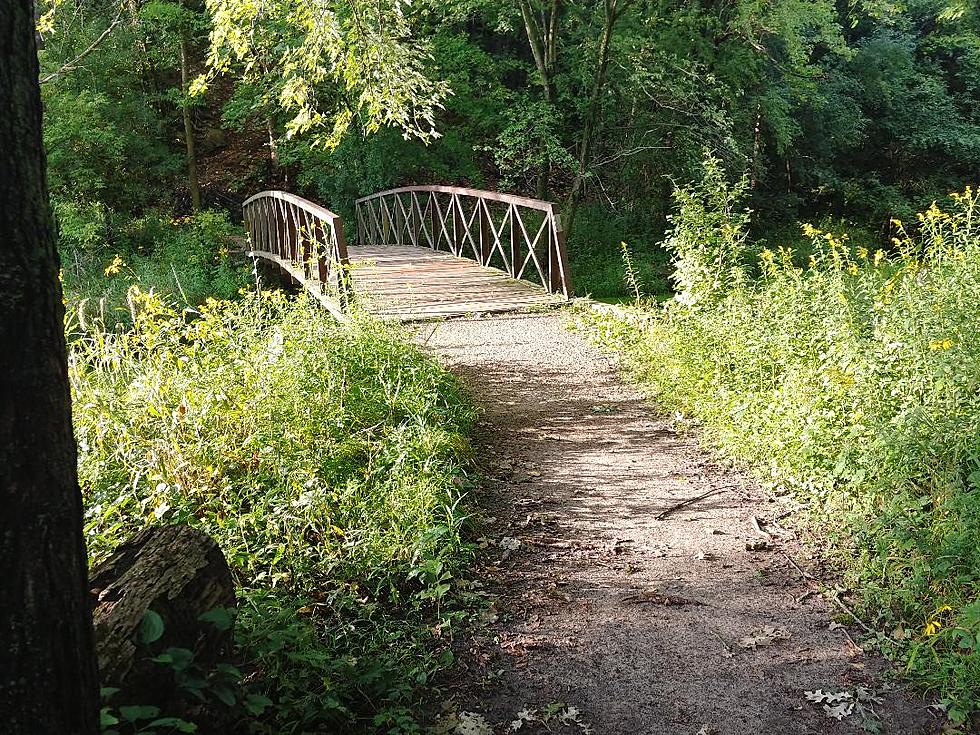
(195, 186)
(49, 681)
(613, 10)
(177, 572)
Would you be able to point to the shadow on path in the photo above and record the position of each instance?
(633, 620)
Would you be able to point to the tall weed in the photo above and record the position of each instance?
(184, 258)
(325, 460)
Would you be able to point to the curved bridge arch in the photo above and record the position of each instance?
(521, 236)
(305, 240)
(423, 251)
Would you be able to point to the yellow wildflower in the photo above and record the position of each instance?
(114, 266)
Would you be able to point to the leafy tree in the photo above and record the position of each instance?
(329, 63)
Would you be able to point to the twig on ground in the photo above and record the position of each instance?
(853, 642)
(729, 653)
(690, 501)
(832, 596)
(758, 528)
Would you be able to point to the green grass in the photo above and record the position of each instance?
(327, 462)
(854, 383)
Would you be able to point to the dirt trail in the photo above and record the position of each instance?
(636, 624)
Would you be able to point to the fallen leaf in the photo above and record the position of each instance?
(470, 723)
(769, 634)
(839, 711)
(820, 695)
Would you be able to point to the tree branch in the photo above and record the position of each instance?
(69, 66)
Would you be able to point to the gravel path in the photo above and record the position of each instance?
(611, 618)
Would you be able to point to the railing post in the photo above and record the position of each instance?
(292, 241)
(516, 252)
(342, 262)
(359, 215)
(486, 243)
(397, 217)
(561, 281)
(436, 220)
(305, 235)
(322, 271)
(457, 245)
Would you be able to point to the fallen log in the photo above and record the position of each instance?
(177, 573)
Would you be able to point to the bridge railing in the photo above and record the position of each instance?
(521, 236)
(302, 238)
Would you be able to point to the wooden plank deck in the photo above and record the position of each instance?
(414, 283)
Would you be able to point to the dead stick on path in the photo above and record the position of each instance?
(690, 501)
(757, 525)
(833, 597)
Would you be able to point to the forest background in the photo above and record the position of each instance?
(850, 110)
(162, 117)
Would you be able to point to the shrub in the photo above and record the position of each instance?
(852, 381)
(707, 236)
(326, 460)
(184, 258)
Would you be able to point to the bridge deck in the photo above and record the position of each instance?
(416, 283)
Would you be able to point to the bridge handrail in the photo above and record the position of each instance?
(493, 234)
(303, 238)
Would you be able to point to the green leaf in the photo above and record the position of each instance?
(179, 659)
(230, 671)
(106, 718)
(174, 722)
(224, 695)
(136, 712)
(151, 628)
(220, 617)
(256, 704)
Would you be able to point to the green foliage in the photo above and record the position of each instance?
(325, 459)
(596, 257)
(324, 64)
(527, 143)
(185, 258)
(707, 236)
(219, 688)
(106, 126)
(851, 381)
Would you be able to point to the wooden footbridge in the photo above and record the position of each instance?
(421, 252)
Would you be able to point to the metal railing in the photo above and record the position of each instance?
(304, 239)
(521, 236)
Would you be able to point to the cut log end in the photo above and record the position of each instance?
(179, 573)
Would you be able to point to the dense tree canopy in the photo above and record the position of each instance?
(864, 110)
(635, 117)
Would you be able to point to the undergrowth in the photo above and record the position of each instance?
(853, 381)
(326, 460)
(186, 259)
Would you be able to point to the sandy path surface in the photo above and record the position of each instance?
(612, 618)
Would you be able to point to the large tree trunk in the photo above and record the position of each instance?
(49, 682)
(179, 573)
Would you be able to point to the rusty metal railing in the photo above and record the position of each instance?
(521, 236)
(305, 240)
